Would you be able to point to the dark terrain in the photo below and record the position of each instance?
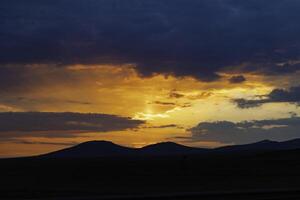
(102, 170)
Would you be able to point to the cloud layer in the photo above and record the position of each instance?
(47, 124)
(182, 38)
(237, 79)
(247, 131)
(275, 96)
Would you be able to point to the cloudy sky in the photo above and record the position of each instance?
(202, 73)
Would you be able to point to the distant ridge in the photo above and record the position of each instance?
(92, 149)
(106, 148)
(264, 145)
(170, 148)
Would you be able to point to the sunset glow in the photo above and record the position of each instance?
(160, 73)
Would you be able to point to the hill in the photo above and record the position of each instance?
(105, 148)
(91, 149)
(265, 145)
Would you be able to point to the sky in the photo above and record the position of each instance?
(203, 73)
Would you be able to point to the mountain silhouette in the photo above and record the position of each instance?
(105, 148)
(265, 145)
(166, 148)
(92, 149)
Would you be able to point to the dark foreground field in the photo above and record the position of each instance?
(273, 175)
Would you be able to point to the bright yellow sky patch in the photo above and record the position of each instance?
(120, 91)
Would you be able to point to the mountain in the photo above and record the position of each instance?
(291, 144)
(167, 148)
(104, 148)
(92, 149)
(265, 145)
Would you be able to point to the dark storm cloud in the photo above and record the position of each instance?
(237, 79)
(183, 38)
(247, 131)
(47, 124)
(277, 95)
